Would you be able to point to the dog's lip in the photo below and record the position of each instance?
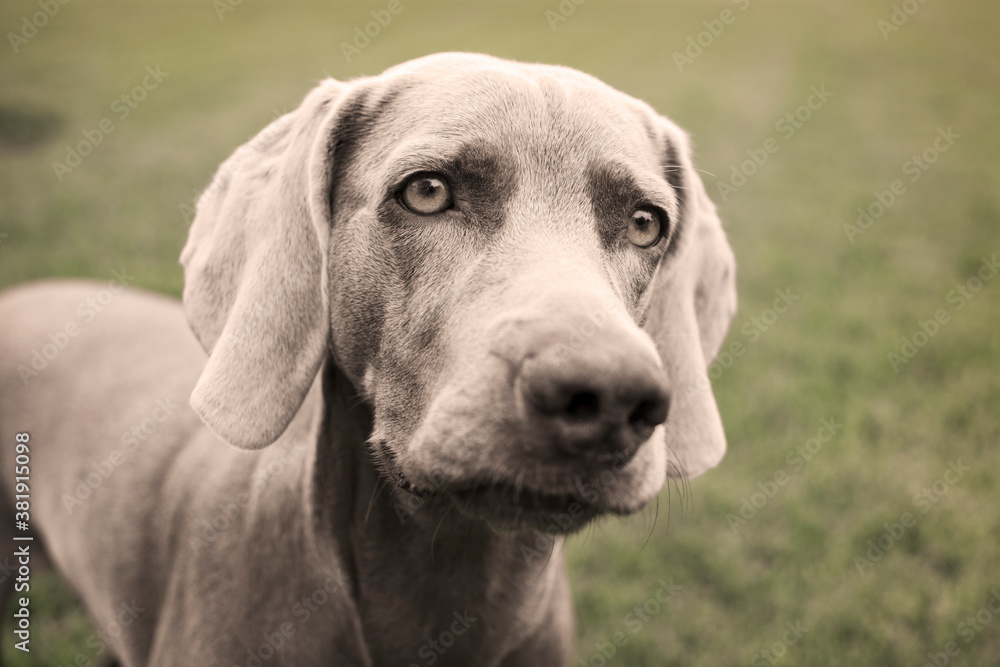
(506, 506)
(385, 461)
(504, 503)
(505, 493)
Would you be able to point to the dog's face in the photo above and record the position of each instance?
(488, 241)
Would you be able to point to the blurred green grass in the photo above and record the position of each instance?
(793, 561)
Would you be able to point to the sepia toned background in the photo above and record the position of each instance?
(854, 150)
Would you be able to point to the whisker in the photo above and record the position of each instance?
(468, 539)
(548, 558)
(653, 525)
(434, 536)
(379, 484)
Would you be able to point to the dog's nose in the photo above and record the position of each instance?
(600, 399)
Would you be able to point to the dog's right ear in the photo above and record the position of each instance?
(693, 301)
(255, 291)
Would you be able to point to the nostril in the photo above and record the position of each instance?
(583, 405)
(649, 413)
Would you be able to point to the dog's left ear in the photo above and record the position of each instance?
(693, 301)
(255, 278)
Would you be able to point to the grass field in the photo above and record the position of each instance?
(772, 539)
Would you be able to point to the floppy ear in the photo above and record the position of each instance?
(692, 303)
(255, 291)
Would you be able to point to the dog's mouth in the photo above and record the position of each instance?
(506, 506)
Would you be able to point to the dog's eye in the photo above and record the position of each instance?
(426, 194)
(644, 227)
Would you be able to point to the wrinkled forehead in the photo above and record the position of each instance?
(550, 123)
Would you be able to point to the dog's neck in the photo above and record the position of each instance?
(418, 567)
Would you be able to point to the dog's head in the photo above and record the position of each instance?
(516, 265)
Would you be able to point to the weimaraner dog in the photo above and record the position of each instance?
(442, 317)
